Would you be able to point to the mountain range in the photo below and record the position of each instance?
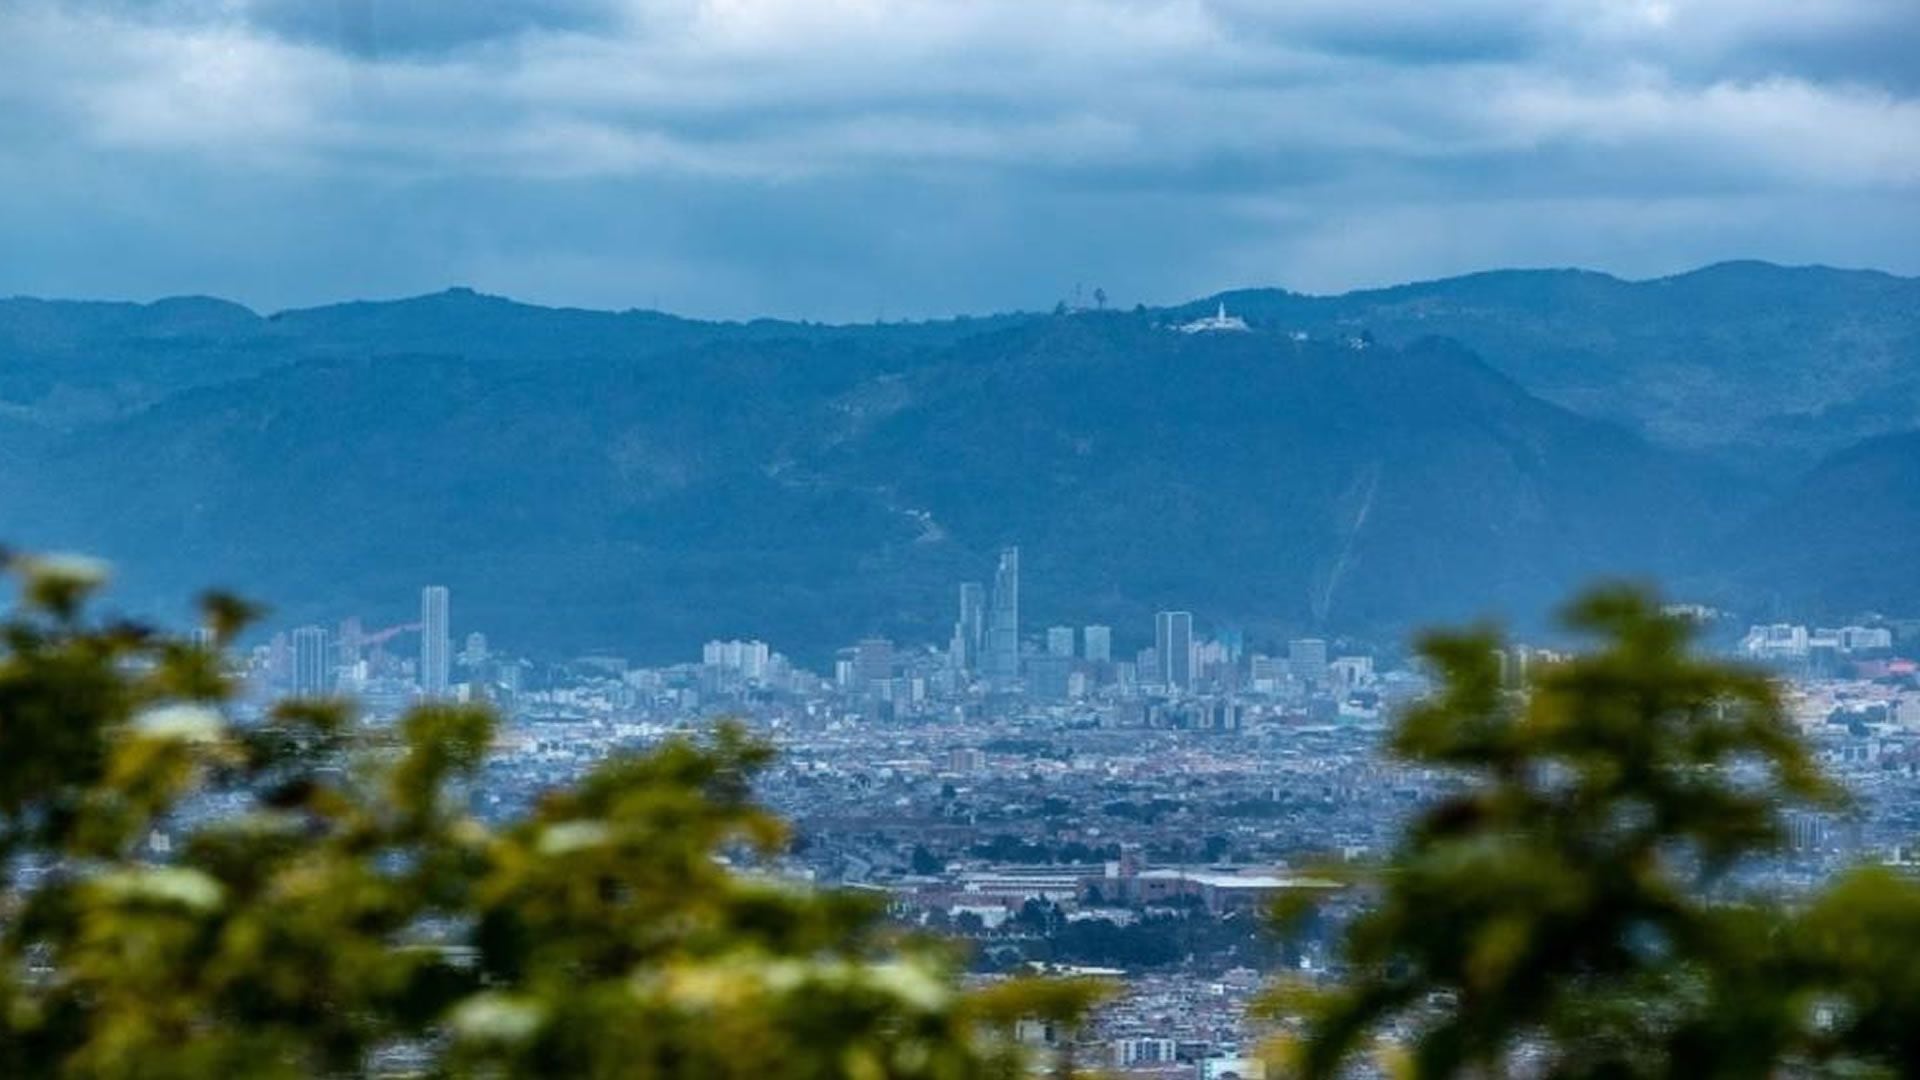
(637, 481)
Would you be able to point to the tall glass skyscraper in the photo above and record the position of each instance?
(436, 641)
(969, 633)
(1003, 621)
(1173, 648)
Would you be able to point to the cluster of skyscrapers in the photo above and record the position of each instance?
(986, 637)
(986, 643)
(315, 659)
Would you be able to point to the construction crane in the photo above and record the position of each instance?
(381, 637)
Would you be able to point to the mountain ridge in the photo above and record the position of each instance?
(664, 479)
(1767, 365)
(808, 492)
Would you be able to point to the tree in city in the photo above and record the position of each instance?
(1565, 910)
(186, 894)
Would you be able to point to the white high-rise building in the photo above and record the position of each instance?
(436, 641)
(1138, 1052)
(1350, 672)
(1307, 660)
(750, 659)
(1099, 644)
(312, 662)
(872, 665)
(756, 659)
(1060, 641)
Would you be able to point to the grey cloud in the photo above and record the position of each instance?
(1417, 34)
(374, 28)
(834, 158)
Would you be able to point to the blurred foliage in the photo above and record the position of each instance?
(1566, 913)
(336, 907)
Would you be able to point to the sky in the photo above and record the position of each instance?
(861, 159)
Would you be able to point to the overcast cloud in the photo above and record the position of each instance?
(850, 159)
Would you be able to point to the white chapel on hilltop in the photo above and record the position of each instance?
(1220, 322)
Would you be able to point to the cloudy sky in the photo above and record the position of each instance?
(853, 159)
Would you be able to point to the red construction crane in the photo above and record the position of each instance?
(381, 637)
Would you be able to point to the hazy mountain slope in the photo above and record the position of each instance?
(1268, 480)
(1756, 361)
(811, 491)
(71, 362)
(572, 501)
(1769, 366)
(1845, 539)
(463, 322)
(642, 480)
